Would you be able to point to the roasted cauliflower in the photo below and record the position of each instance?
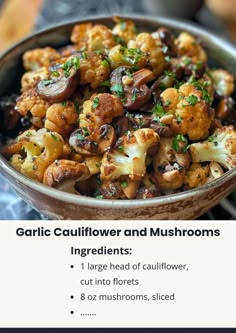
(38, 149)
(129, 155)
(61, 117)
(188, 46)
(220, 147)
(146, 43)
(41, 57)
(100, 110)
(192, 114)
(31, 102)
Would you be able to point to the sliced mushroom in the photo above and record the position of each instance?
(62, 83)
(121, 125)
(216, 171)
(87, 187)
(135, 93)
(61, 170)
(224, 108)
(168, 39)
(96, 143)
(130, 187)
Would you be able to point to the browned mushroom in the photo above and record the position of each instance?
(130, 187)
(61, 170)
(168, 39)
(131, 88)
(96, 143)
(62, 83)
(224, 108)
(9, 117)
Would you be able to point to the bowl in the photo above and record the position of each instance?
(60, 205)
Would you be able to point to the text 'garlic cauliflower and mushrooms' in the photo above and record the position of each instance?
(122, 114)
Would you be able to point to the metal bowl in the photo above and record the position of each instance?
(60, 205)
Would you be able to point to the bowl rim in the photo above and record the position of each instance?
(135, 203)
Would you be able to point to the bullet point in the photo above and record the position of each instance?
(71, 266)
(72, 297)
(72, 312)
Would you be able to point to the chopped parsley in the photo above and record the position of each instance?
(84, 132)
(105, 83)
(121, 148)
(165, 49)
(76, 105)
(187, 61)
(167, 102)
(74, 62)
(167, 73)
(54, 137)
(47, 82)
(179, 119)
(133, 99)
(84, 55)
(118, 89)
(122, 25)
(180, 143)
(202, 88)
(124, 184)
(132, 55)
(100, 196)
(99, 52)
(64, 103)
(105, 63)
(192, 100)
(95, 102)
(167, 58)
(55, 73)
(158, 110)
(80, 136)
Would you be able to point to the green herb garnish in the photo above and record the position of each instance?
(124, 184)
(76, 105)
(121, 148)
(54, 137)
(158, 110)
(105, 83)
(192, 100)
(118, 89)
(95, 102)
(176, 143)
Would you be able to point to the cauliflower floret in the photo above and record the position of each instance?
(100, 37)
(100, 110)
(121, 56)
(169, 165)
(41, 148)
(125, 29)
(129, 156)
(197, 175)
(220, 147)
(223, 82)
(79, 34)
(97, 37)
(93, 70)
(188, 46)
(37, 58)
(30, 79)
(147, 44)
(31, 101)
(61, 117)
(193, 116)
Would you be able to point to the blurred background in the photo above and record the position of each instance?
(19, 18)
